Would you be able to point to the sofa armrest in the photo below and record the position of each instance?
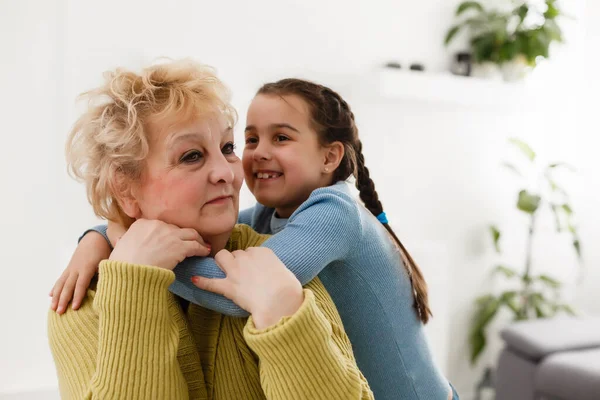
(536, 339)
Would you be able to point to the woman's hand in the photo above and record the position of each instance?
(152, 242)
(76, 278)
(258, 282)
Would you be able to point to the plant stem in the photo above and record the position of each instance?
(527, 274)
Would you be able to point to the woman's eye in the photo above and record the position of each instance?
(191, 157)
(251, 140)
(228, 148)
(281, 138)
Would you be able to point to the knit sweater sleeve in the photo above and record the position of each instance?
(123, 341)
(322, 230)
(308, 355)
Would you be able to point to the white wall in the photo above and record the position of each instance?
(435, 165)
(29, 161)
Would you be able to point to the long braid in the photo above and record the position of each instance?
(370, 198)
(334, 121)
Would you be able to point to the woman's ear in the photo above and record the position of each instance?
(130, 207)
(124, 193)
(334, 153)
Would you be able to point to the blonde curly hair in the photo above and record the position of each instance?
(108, 144)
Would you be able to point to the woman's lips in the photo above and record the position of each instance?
(220, 200)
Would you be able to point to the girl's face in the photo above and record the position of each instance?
(283, 160)
(192, 176)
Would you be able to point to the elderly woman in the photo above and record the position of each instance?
(155, 151)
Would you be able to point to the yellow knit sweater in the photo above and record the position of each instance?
(131, 340)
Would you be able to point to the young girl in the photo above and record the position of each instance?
(301, 146)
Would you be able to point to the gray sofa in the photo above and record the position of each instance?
(553, 359)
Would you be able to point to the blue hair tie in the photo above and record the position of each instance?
(382, 218)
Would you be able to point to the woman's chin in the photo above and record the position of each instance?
(216, 227)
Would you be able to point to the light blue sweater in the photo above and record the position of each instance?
(331, 235)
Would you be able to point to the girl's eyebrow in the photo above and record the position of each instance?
(273, 126)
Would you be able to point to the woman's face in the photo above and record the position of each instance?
(192, 177)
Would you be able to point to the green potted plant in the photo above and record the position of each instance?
(488, 30)
(513, 40)
(530, 295)
(530, 41)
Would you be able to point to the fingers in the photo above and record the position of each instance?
(225, 260)
(56, 291)
(190, 234)
(214, 285)
(67, 293)
(193, 248)
(83, 282)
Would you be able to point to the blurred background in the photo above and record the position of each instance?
(449, 154)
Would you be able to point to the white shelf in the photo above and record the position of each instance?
(457, 90)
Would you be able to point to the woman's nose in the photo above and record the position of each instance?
(221, 171)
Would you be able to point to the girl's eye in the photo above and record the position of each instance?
(191, 157)
(251, 140)
(228, 148)
(281, 138)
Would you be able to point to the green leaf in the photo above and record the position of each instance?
(495, 237)
(577, 247)
(484, 48)
(539, 312)
(566, 308)
(512, 168)
(552, 11)
(538, 301)
(562, 165)
(477, 342)
(524, 147)
(553, 283)
(556, 217)
(467, 5)
(508, 299)
(485, 313)
(527, 202)
(522, 12)
(567, 209)
(508, 272)
(509, 50)
(556, 188)
(554, 31)
(482, 300)
(450, 35)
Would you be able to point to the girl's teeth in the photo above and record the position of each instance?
(262, 175)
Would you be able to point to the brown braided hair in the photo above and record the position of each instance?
(333, 120)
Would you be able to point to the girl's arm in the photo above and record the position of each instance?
(75, 279)
(323, 229)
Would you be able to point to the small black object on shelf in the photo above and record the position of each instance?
(393, 64)
(462, 64)
(417, 67)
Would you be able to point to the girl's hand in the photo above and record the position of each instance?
(258, 282)
(76, 278)
(152, 242)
